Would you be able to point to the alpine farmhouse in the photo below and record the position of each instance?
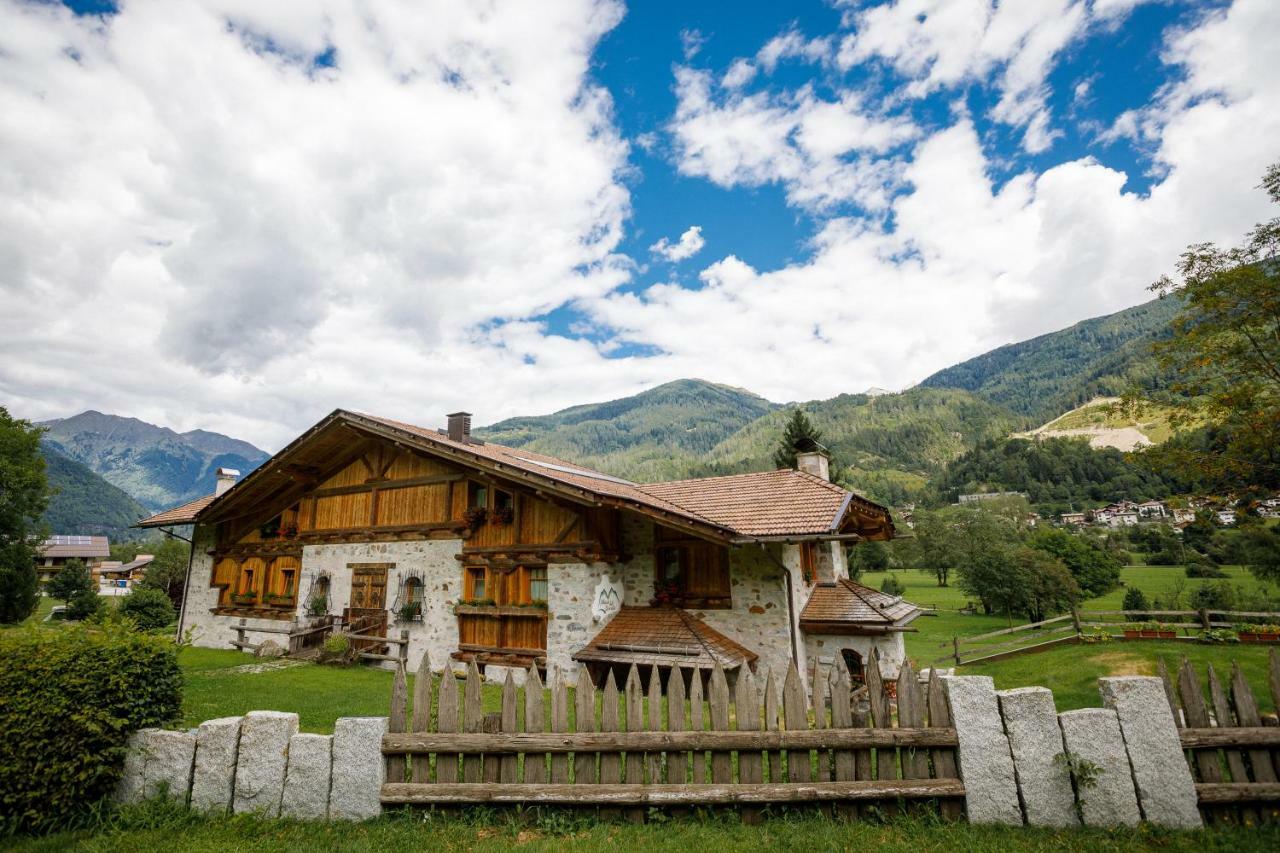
(508, 557)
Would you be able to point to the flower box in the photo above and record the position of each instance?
(1149, 634)
(280, 601)
(244, 599)
(1259, 636)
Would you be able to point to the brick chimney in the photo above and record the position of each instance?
(459, 428)
(226, 479)
(814, 462)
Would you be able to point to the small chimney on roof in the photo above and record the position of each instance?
(815, 462)
(459, 428)
(226, 479)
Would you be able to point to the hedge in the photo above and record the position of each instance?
(69, 698)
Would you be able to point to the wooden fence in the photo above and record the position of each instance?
(627, 749)
(1081, 624)
(1233, 747)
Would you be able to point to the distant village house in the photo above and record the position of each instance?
(55, 551)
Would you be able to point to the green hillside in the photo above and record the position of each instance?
(887, 446)
(658, 434)
(85, 503)
(1043, 377)
(160, 468)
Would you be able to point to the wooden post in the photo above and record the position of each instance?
(397, 722)
(1075, 621)
(559, 725)
(492, 764)
(535, 764)
(721, 760)
(915, 762)
(773, 759)
(655, 723)
(955, 649)
(509, 763)
(695, 723)
(842, 718)
(1207, 765)
(420, 765)
(447, 723)
(635, 723)
(1204, 618)
(677, 762)
(610, 762)
(584, 768)
(404, 647)
(944, 760)
(472, 721)
(747, 706)
(796, 716)
(1235, 759)
(1247, 715)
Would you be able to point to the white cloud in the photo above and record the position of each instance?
(193, 225)
(818, 149)
(689, 244)
(691, 42)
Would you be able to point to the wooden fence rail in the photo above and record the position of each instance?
(1232, 747)
(1070, 627)
(693, 744)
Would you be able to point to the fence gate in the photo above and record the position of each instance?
(623, 750)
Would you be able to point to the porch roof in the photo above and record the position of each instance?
(663, 636)
(848, 602)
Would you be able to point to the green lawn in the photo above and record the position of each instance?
(158, 827)
(1072, 672)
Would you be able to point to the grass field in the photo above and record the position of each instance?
(160, 827)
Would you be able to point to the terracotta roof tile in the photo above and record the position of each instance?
(850, 602)
(769, 503)
(185, 514)
(665, 636)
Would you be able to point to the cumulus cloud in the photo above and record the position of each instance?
(298, 204)
(689, 244)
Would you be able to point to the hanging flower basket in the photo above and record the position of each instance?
(475, 517)
(502, 515)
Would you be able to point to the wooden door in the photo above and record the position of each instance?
(367, 609)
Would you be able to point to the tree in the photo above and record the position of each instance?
(72, 579)
(24, 496)
(936, 547)
(1225, 356)
(1199, 533)
(168, 571)
(892, 586)
(148, 608)
(982, 543)
(870, 556)
(1096, 571)
(1135, 599)
(1047, 586)
(84, 604)
(799, 436)
(1261, 547)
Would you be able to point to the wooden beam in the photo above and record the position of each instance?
(432, 480)
(1237, 792)
(425, 742)
(1228, 736)
(658, 795)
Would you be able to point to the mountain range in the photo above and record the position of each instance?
(886, 445)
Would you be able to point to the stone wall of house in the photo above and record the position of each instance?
(823, 650)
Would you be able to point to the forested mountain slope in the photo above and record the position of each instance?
(658, 434)
(1043, 377)
(84, 502)
(160, 468)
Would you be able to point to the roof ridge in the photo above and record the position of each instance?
(856, 588)
(719, 477)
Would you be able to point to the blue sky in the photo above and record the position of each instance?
(514, 207)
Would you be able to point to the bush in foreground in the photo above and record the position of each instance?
(68, 702)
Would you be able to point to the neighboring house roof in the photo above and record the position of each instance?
(142, 561)
(663, 636)
(771, 503)
(75, 546)
(849, 603)
(185, 514)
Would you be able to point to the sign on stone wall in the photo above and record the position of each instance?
(607, 600)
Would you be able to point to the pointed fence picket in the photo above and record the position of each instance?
(837, 748)
(1232, 746)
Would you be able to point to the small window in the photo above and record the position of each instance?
(668, 565)
(538, 584)
(475, 584)
(288, 580)
(808, 562)
(477, 496)
(503, 500)
(413, 590)
(246, 582)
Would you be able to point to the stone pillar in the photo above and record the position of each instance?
(214, 783)
(986, 765)
(1166, 789)
(1031, 722)
(306, 784)
(358, 768)
(157, 761)
(1093, 734)
(261, 761)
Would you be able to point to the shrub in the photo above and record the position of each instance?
(1202, 567)
(1218, 595)
(71, 580)
(335, 649)
(71, 697)
(148, 608)
(1135, 599)
(84, 604)
(18, 583)
(892, 586)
